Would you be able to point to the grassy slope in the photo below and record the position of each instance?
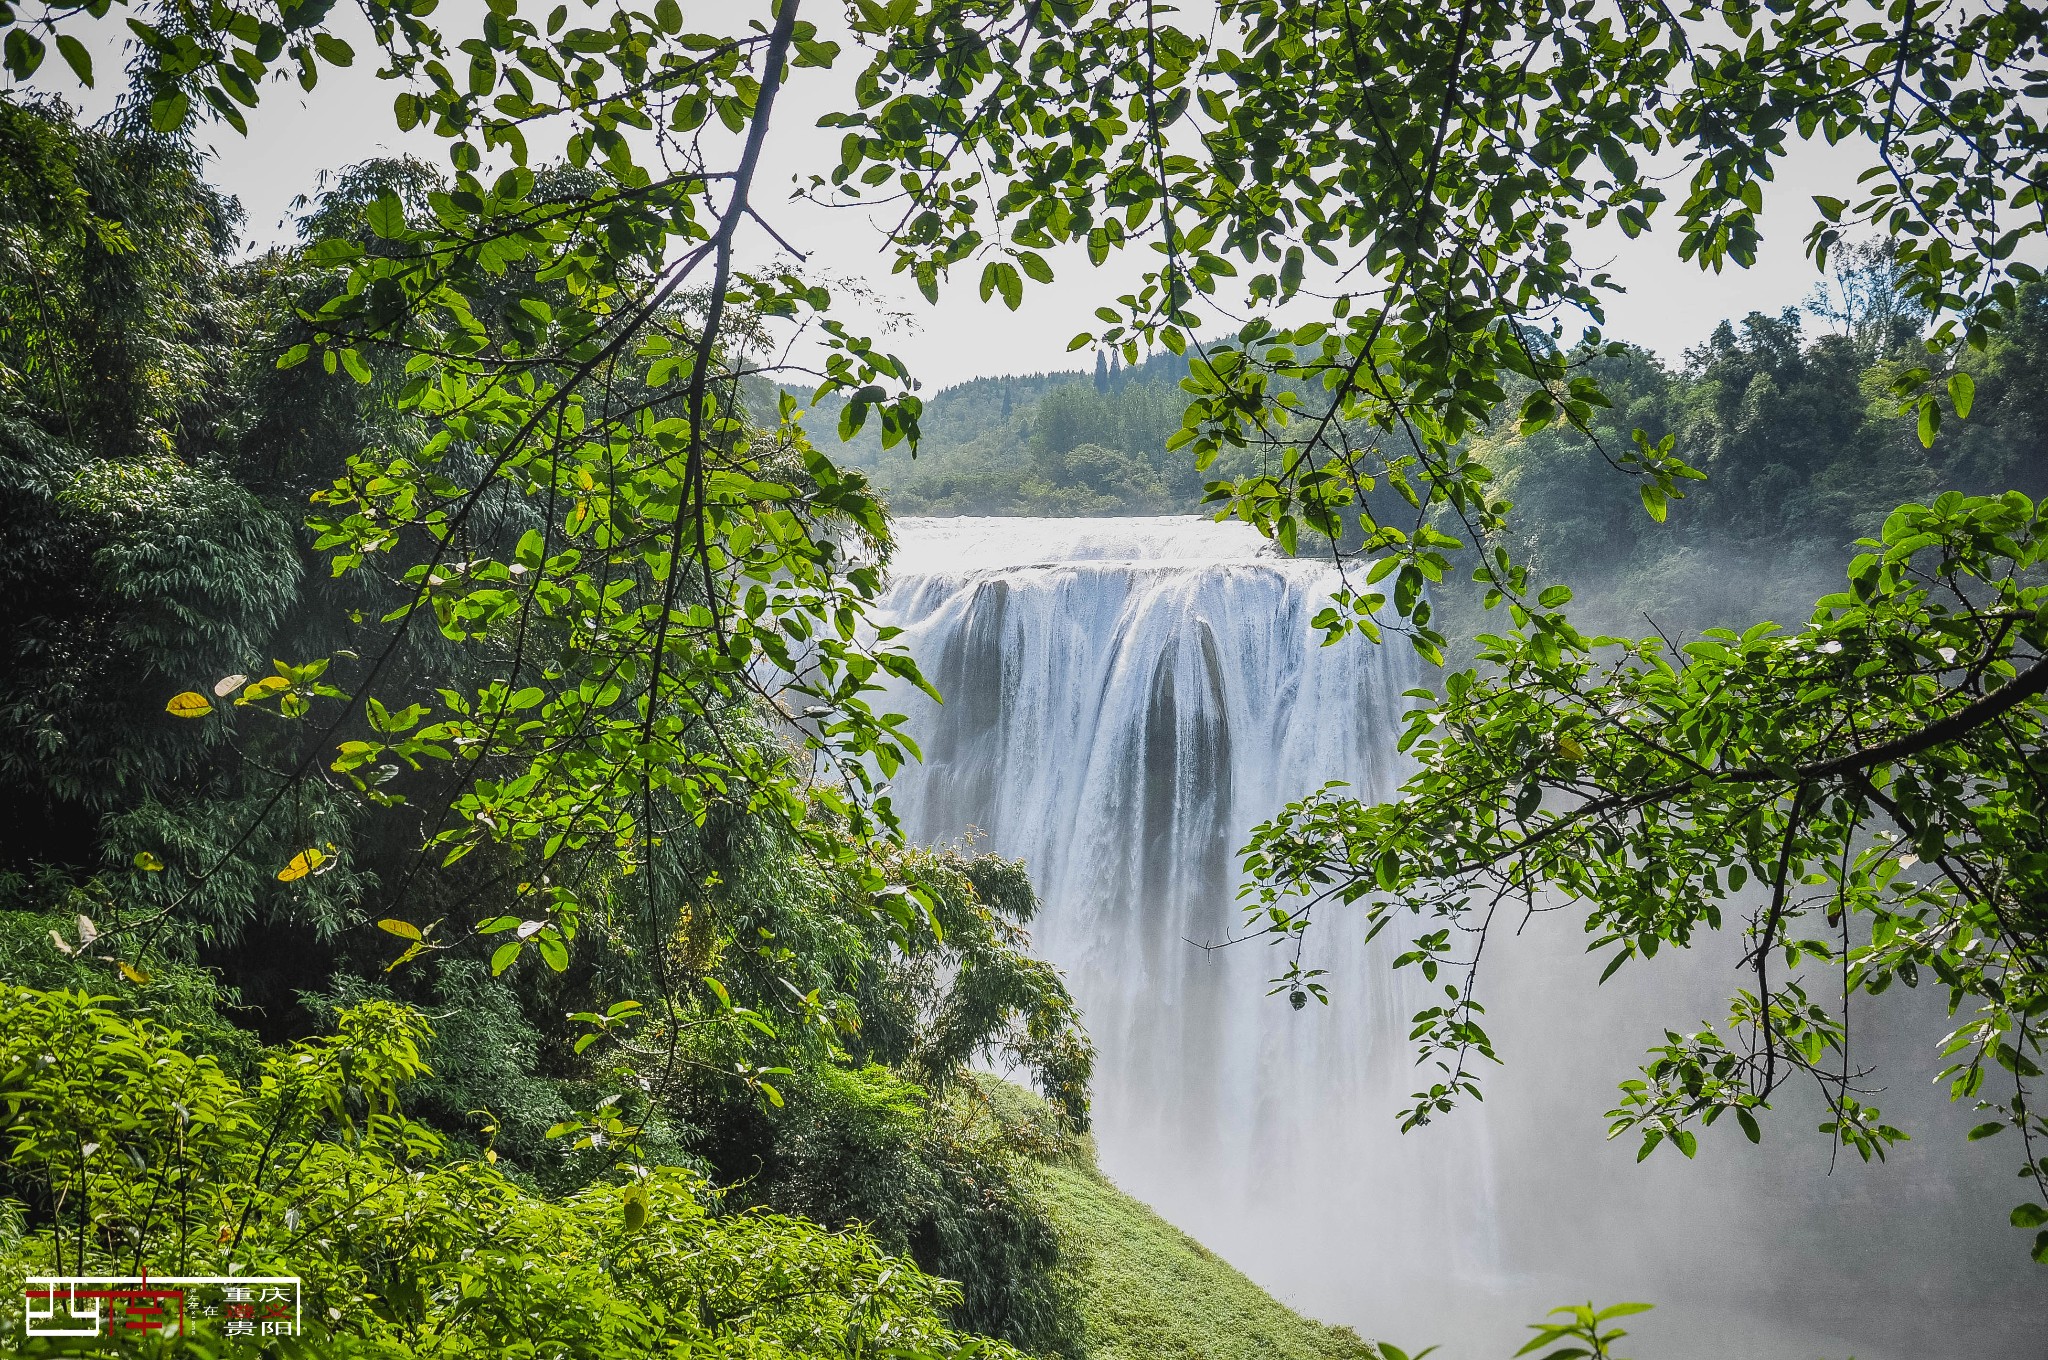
(1148, 1291)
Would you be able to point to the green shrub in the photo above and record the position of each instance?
(126, 1150)
(944, 1180)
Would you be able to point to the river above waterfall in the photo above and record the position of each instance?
(1125, 699)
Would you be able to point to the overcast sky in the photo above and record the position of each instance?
(1668, 307)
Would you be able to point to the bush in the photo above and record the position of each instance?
(946, 1180)
(126, 1150)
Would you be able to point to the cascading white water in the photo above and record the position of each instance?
(1125, 698)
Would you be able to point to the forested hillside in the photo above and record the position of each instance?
(1044, 444)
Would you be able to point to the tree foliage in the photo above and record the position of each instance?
(1445, 152)
(1877, 774)
(1438, 160)
(165, 829)
(551, 344)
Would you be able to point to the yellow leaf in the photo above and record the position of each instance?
(134, 975)
(148, 863)
(190, 704)
(263, 689)
(403, 929)
(491, 1156)
(303, 863)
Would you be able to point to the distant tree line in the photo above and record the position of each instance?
(1791, 416)
(1804, 450)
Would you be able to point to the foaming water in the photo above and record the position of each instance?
(979, 543)
(1125, 699)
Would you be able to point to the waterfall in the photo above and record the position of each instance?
(1124, 700)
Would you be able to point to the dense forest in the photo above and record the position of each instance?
(1044, 444)
(813, 1058)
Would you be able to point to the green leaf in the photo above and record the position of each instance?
(1654, 500)
(1962, 393)
(168, 112)
(504, 956)
(76, 57)
(24, 53)
(2029, 1216)
(333, 50)
(386, 216)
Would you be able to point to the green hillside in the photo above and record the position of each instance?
(1148, 1291)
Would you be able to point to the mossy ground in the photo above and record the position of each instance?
(1148, 1291)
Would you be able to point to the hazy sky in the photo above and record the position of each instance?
(1668, 305)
